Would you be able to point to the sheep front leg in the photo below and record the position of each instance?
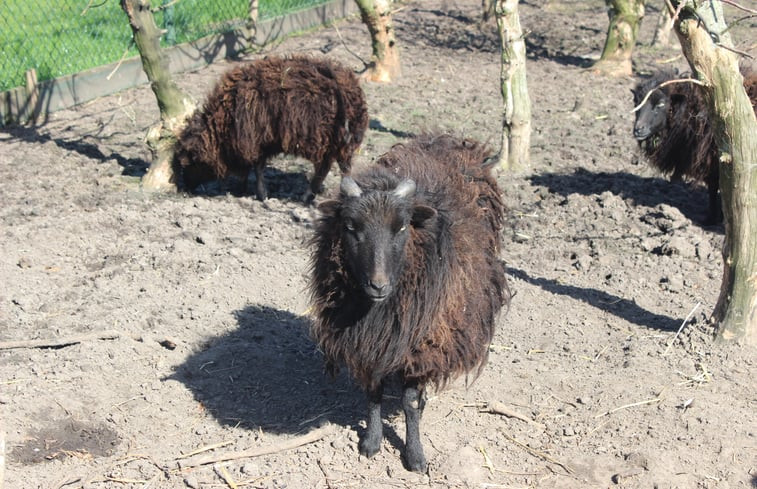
(371, 442)
(316, 183)
(412, 404)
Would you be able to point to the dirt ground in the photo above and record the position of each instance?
(201, 301)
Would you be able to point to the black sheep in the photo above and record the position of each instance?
(675, 134)
(298, 105)
(406, 278)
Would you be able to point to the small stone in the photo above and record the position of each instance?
(191, 482)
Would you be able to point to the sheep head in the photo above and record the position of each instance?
(375, 227)
(651, 117)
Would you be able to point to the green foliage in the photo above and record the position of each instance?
(61, 37)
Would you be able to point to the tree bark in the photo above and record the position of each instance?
(385, 59)
(735, 128)
(625, 20)
(175, 106)
(516, 123)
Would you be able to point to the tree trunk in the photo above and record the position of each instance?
(625, 19)
(175, 106)
(662, 30)
(516, 132)
(385, 60)
(735, 128)
(252, 23)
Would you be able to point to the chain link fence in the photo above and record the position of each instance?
(62, 37)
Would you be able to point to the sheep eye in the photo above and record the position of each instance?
(403, 228)
(349, 226)
(661, 103)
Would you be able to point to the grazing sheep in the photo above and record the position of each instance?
(406, 279)
(674, 132)
(303, 106)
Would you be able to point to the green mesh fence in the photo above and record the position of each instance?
(61, 37)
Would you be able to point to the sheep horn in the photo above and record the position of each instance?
(406, 188)
(350, 188)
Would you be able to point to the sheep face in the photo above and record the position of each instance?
(195, 174)
(375, 231)
(651, 117)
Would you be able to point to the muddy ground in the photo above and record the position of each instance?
(203, 297)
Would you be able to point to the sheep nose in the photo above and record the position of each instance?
(379, 286)
(640, 133)
(378, 289)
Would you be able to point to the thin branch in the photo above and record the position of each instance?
(164, 6)
(89, 6)
(539, 454)
(681, 328)
(626, 406)
(63, 341)
(664, 84)
(734, 50)
(494, 407)
(289, 444)
(347, 47)
(120, 61)
(740, 7)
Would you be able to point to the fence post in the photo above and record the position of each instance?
(32, 97)
(169, 24)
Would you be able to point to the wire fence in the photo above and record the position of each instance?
(62, 37)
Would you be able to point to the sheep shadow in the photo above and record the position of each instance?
(623, 308)
(690, 199)
(268, 374)
(136, 167)
(281, 184)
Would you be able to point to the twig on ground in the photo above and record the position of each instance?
(206, 448)
(494, 407)
(626, 406)
(289, 444)
(59, 342)
(224, 474)
(681, 328)
(539, 454)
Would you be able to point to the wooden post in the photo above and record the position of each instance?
(625, 20)
(32, 97)
(735, 126)
(516, 123)
(385, 60)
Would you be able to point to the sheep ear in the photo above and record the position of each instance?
(405, 189)
(328, 208)
(350, 188)
(421, 214)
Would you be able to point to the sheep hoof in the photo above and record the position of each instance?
(416, 462)
(368, 447)
(309, 197)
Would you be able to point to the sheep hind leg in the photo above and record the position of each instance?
(260, 191)
(413, 403)
(715, 206)
(371, 442)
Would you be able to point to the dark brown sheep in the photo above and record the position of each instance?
(406, 277)
(298, 105)
(674, 132)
